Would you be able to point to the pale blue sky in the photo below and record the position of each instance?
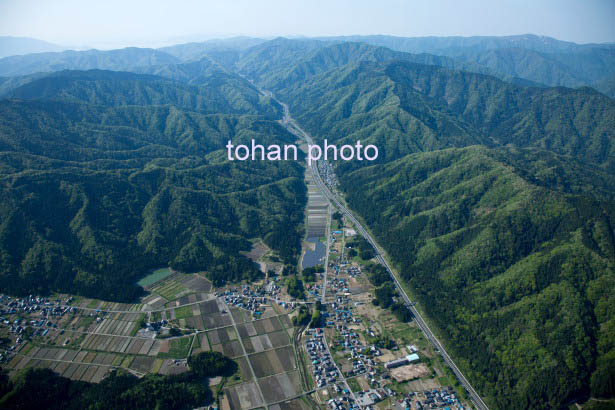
(114, 23)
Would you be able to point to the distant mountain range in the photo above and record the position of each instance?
(11, 46)
(537, 60)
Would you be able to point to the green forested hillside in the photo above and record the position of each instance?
(95, 195)
(516, 271)
(214, 92)
(539, 59)
(404, 107)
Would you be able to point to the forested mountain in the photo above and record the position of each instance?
(133, 186)
(124, 60)
(193, 72)
(405, 107)
(10, 46)
(584, 67)
(537, 59)
(511, 253)
(456, 45)
(196, 50)
(313, 58)
(216, 92)
(540, 59)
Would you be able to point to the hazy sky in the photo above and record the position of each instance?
(114, 23)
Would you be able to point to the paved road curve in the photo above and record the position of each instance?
(478, 401)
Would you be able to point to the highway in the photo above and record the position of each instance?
(292, 125)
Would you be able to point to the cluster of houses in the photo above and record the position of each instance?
(314, 290)
(272, 289)
(31, 305)
(354, 271)
(246, 298)
(254, 298)
(367, 398)
(323, 367)
(326, 173)
(362, 355)
(343, 403)
(156, 326)
(351, 342)
(443, 398)
(340, 287)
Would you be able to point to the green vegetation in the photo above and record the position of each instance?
(403, 107)
(179, 348)
(337, 216)
(309, 274)
(183, 312)
(295, 287)
(289, 270)
(401, 312)
(377, 274)
(141, 323)
(384, 295)
(133, 187)
(383, 341)
(316, 320)
(354, 385)
(170, 290)
(385, 291)
(599, 405)
(366, 252)
(154, 277)
(493, 199)
(303, 316)
(212, 364)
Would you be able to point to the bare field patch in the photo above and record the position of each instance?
(244, 396)
(281, 386)
(273, 361)
(410, 372)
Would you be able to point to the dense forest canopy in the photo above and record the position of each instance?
(133, 184)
